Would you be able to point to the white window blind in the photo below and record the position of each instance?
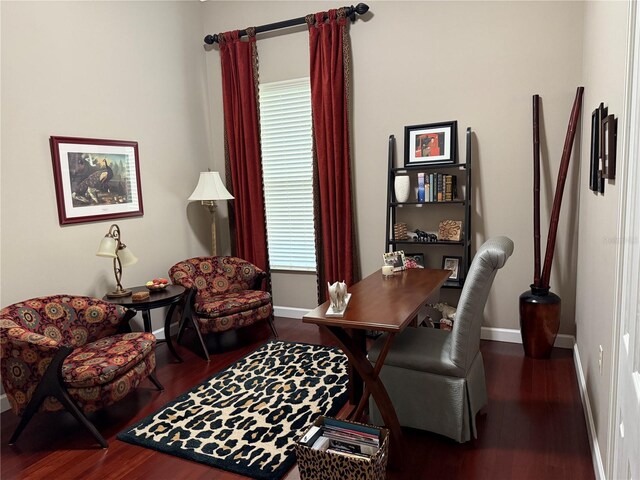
(285, 128)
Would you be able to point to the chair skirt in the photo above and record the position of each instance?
(437, 403)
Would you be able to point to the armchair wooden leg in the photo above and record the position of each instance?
(70, 405)
(51, 384)
(154, 380)
(32, 408)
(273, 326)
(204, 345)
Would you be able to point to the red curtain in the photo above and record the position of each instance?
(335, 245)
(242, 147)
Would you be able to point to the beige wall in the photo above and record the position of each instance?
(114, 70)
(420, 62)
(604, 76)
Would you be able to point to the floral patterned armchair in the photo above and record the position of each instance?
(71, 352)
(225, 293)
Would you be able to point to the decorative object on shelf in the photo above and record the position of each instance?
(430, 144)
(111, 246)
(453, 264)
(95, 179)
(414, 260)
(402, 186)
(540, 308)
(450, 230)
(400, 231)
(448, 315)
(425, 236)
(209, 189)
(395, 259)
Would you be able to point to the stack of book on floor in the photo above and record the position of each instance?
(337, 443)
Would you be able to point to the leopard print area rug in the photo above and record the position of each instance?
(246, 418)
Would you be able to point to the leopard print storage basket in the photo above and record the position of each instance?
(319, 465)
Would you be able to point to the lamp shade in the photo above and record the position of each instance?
(210, 187)
(107, 247)
(127, 258)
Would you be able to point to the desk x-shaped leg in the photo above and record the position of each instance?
(374, 387)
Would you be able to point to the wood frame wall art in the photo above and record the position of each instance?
(96, 179)
(430, 144)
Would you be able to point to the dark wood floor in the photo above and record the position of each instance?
(533, 427)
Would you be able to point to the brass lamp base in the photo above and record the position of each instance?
(119, 293)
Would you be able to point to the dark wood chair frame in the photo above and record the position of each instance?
(52, 385)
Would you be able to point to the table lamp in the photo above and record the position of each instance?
(209, 189)
(111, 246)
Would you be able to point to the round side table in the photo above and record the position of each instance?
(170, 296)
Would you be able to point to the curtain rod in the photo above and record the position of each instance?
(350, 13)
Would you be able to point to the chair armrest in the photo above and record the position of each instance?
(18, 337)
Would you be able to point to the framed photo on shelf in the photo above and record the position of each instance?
(453, 264)
(96, 179)
(430, 144)
(414, 260)
(396, 259)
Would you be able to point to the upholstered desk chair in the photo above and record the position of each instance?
(71, 352)
(225, 293)
(435, 378)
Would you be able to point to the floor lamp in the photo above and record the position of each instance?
(209, 189)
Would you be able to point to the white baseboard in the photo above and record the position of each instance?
(598, 466)
(4, 403)
(290, 312)
(512, 335)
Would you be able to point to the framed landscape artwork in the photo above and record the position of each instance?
(430, 144)
(96, 179)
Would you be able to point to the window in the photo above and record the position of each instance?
(287, 169)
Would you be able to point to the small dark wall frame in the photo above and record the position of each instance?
(596, 182)
(430, 144)
(609, 141)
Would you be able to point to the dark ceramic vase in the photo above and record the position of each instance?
(539, 321)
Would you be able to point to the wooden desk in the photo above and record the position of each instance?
(386, 304)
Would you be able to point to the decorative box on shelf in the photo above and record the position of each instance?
(342, 450)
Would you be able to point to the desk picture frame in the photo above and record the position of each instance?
(396, 259)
